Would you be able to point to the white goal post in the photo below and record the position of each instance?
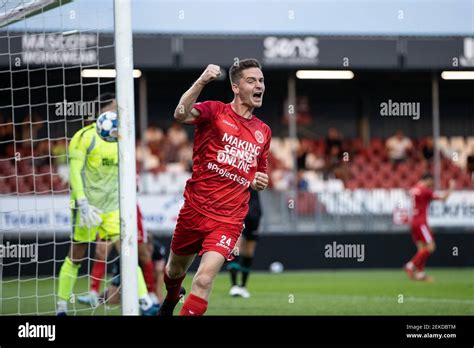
(127, 164)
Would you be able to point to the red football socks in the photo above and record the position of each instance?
(147, 269)
(173, 287)
(193, 306)
(97, 274)
(419, 260)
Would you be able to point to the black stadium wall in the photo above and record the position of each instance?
(294, 251)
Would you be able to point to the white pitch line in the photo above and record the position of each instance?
(395, 298)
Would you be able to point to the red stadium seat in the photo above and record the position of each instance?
(43, 169)
(10, 150)
(6, 168)
(24, 167)
(58, 185)
(404, 184)
(4, 186)
(377, 143)
(360, 160)
(356, 146)
(42, 184)
(394, 182)
(369, 184)
(387, 184)
(25, 185)
(352, 184)
(463, 182)
(355, 169)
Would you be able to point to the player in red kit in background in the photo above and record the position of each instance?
(230, 152)
(422, 194)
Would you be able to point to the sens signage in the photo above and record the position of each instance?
(283, 50)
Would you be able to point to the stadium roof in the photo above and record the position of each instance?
(318, 17)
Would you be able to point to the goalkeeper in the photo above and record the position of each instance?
(93, 172)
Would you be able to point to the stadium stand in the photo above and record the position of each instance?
(167, 159)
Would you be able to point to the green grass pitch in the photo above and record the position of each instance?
(335, 292)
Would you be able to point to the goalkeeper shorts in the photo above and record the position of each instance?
(109, 229)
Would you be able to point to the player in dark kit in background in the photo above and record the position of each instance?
(230, 154)
(246, 247)
(422, 194)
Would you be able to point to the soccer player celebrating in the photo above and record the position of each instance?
(247, 244)
(94, 191)
(230, 153)
(422, 194)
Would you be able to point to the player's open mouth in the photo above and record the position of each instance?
(257, 96)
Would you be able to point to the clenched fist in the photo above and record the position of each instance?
(211, 73)
(260, 182)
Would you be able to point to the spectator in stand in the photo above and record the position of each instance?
(303, 184)
(302, 154)
(332, 162)
(314, 161)
(154, 134)
(154, 139)
(301, 157)
(169, 152)
(333, 140)
(175, 138)
(149, 159)
(177, 135)
(470, 163)
(398, 147)
(427, 151)
(185, 156)
(334, 165)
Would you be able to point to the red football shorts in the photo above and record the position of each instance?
(142, 235)
(420, 232)
(197, 233)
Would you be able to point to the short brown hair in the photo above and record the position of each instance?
(235, 71)
(427, 176)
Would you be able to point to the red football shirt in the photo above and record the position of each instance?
(421, 198)
(228, 150)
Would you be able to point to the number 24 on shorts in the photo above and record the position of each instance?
(225, 240)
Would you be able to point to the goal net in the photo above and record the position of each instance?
(50, 54)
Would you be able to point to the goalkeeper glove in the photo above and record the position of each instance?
(89, 215)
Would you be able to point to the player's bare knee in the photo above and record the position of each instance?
(203, 281)
(174, 270)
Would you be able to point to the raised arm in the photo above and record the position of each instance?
(184, 112)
